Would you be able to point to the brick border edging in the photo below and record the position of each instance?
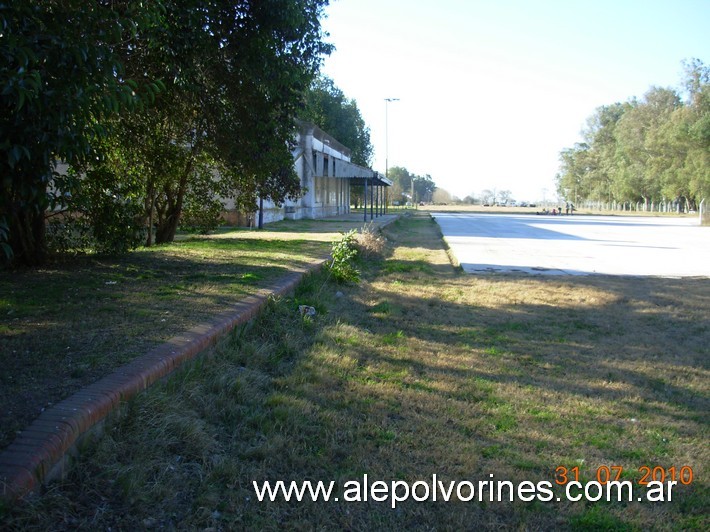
(38, 453)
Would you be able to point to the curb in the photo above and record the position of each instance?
(41, 452)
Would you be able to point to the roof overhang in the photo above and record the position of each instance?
(376, 180)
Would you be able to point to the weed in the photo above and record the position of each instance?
(393, 338)
(383, 307)
(344, 252)
(598, 518)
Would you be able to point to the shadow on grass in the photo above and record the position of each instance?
(591, 371)
(573, 335)
(464, 391)
(64, 327)
(413, 373)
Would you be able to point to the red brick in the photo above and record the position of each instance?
(37, 438)
(56, 423)
(15, 482)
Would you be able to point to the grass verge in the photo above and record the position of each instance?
(416, 371)
(68, 325)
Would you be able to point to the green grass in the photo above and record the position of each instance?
(395, 379)
(69, 324)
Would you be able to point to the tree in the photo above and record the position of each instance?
(405, 183)
(650, 150)
(489, 196)
(273, 51)
(233, 75)
(242, 69)
(401, 189)
(693, 129)
(642, 161)
(600, 176)
(504, 196)
(327, 107)
(154, 159)
(441, 196)
(424, 187)
(61, 78)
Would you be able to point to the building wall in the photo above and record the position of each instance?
(322, 165)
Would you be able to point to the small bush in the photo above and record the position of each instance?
(68, 236)
(109, 228)
(344, 252)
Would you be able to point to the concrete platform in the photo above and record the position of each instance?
(578, 245)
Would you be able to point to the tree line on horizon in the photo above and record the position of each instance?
(646, 152)
(407, 186)
(155, 110)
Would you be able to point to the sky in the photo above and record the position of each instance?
(490, 91)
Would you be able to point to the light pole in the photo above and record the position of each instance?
(387, 101)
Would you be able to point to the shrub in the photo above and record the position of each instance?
(344, 252)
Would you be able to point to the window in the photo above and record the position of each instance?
(317, 184)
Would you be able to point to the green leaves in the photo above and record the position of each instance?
(343, 253)
(60, 78)
(328, 108)
(221, 82)
(644, 151)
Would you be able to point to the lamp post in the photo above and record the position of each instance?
(387, 101)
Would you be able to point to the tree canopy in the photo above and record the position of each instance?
(648, 151)
(327, 107)
(61, 76)
(402, 181)
(144, 101)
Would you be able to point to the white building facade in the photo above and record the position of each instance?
(327, 174)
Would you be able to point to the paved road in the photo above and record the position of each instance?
(578, 245)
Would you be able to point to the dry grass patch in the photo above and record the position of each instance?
(371, 242)
(416, 371)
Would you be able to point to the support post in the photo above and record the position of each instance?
(261, 212)
(372, 200)
(364, 203)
